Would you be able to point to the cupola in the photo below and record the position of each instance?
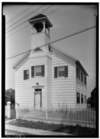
(40, 31)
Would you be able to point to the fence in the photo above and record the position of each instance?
(86, 117)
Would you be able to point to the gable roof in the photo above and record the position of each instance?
(21, 59)
(57, 50)
(71, 57)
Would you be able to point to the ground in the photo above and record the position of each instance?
(74, 130)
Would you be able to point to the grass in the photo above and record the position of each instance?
(74, 130)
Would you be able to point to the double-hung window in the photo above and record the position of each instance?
(26, 74)
(81, 98)
(61, 71)
(81, 76)
(85, 80)
(37, 70)
(77, 72)
(78, 98)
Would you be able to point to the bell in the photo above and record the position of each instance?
(38, 26)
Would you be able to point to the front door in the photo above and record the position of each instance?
(37, 99)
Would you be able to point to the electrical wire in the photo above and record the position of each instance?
(17, 15)
(25, 16)
(42, 12)
(60, 39)
(26, 20)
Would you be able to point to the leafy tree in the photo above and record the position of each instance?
(10, 96)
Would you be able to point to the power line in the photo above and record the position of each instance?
(46, 15)
(26, 20)
(65, 37)
(17, 15)
(24, 17)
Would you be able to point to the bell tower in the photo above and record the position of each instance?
(40, 32)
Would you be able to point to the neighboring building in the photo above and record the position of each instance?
(94, 102)
(47, 78)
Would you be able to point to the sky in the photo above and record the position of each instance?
(66, 20)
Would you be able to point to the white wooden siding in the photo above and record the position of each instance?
(24, 89)
(63, 88)
(82, 89)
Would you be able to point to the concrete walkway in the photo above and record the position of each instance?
(33, 131)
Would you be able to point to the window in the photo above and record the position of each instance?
(37, 71)
(85, 80)
(81, 98)
(26, 74)
(61, 71)
(81, 76)
(78, 73)
(78, 98)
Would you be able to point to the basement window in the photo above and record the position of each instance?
(26, 74)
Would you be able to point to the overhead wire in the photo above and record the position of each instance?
(26, 20)
(25, 16)
(17, 15)
(52, 12)
(60, 39)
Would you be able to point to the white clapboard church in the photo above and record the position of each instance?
(47, 78)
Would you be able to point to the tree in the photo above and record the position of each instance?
(10, 96)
